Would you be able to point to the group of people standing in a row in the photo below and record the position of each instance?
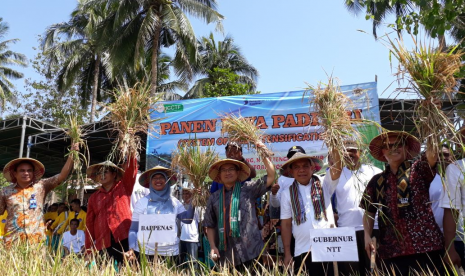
(405, 206)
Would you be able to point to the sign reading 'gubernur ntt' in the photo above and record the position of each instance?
(334, 244)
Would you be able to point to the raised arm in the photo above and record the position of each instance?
(68, 165)
(431, 156)
(336, 169)
(269, 166)
(130, 173)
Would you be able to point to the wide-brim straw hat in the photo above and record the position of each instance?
(93, 170)
(10, 167)
(377, 144)
(300, 156)
(243, 173)
(144, 179)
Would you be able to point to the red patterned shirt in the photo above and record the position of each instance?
(404, 230)
(109, 212)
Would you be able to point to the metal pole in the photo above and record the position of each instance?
(23, 135)
(29, 145)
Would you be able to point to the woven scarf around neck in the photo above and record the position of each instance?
(234, 216)
(318, 200)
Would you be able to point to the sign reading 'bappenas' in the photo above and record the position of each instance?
(334, 244)
(157, 228)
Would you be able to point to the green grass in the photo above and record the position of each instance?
(29, 260)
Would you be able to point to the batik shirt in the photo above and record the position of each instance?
(25, 219)
(407, 226)
(249, 245)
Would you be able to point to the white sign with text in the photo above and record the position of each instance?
(157, 228)
(334, 244)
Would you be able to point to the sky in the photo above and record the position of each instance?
(291, 43)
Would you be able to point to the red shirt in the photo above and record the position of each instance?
(109, 212)
(404, 230)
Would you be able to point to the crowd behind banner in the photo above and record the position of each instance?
(413, 208)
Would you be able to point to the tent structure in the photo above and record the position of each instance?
(14, 135)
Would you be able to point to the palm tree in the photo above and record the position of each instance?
(145, 25)
(164, 85)
(379, 10)
(83, 56)
(224, 55)
(7, 58)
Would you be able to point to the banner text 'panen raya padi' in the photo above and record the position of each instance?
(286, 118)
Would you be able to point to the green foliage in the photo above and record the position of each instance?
(435, 16)
(225, 83)
(222, 54)
(7, 58)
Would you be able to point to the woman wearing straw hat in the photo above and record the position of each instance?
(410, 239)
(108, 209)
(154, 218)
(230, 218)
(24, 199)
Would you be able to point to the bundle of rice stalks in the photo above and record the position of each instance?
(332, 105)
(75, 132)
(243, 131)
(195, 163)
(432, 75)
(130, 114)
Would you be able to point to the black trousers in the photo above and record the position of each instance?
(363, 265)
(310, 268)
(116, 250)
(421, 263)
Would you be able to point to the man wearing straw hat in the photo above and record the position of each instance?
(349, 184)
(234, 151)
(108, 210)
(230, 218)
(305, 205)
(24, 199)
(284, 181)
(410, 239)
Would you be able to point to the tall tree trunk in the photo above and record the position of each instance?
(95, 88)
(156, 38)
(442, 42)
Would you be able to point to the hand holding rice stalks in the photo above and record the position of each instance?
(432, 75)
(195, 163)
(332, 105)
(75, 132)
(243, 131)
(130, 114)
